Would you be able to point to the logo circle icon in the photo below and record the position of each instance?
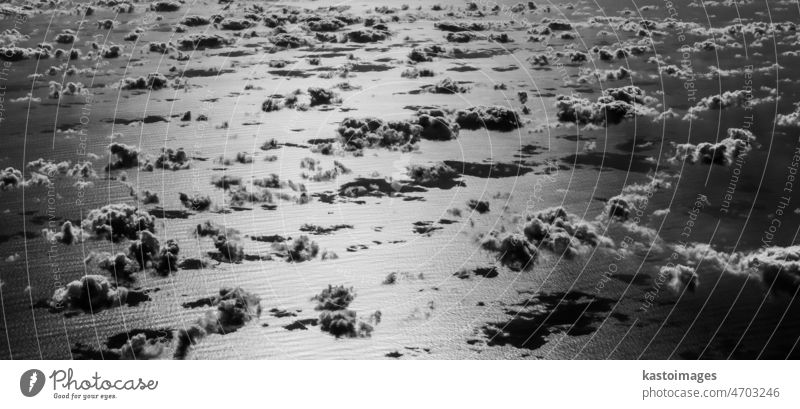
(31, 382)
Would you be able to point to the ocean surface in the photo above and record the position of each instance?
(452, 295)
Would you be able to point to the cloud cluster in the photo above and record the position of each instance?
(790, 119)
(10, 178)
(727, 99)
(235, 307)
(778, 267)
(725, 152)
(563, 233)
(49, 167)
(516, 252)
(13, 53)
(298, 250)
(446, 86)
(229, 248)
(68, 234)
(497, 118)
(433, 175)
(635, 197)
(202, 41)
(197, 201)
(368, 35)
(679, 277)
(173, 159)
(615, 105)
(118, 265)
(117, 221)
(153, 81)
(122, 156)
(336, 318)
(93, 293)
(356, 134)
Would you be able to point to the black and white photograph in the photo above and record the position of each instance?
(250, 180)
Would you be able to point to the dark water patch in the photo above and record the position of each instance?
(323, 230)
(479, 53)
(205, 72)
(528, 151)
(366, 67)
(149, 119)
(463, 68)
(605, 160)
(162, 213)
(234, 53)
(325, 55)
(279, 313)
(302, 324)
(118, 340)
(486, 272)
(425, 227)
(488, 170)
(506, 68)
(201, 302)
(318, 141)
(291, 73)
(356, 247)
(574, 314)
(575, 138)
(272, 238)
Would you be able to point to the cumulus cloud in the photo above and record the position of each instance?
(516, 252)
(790, 119)
(123, 156)
(615, 105)
(356, 134)
(196, 201)
(202, 41)
(173, 159)
(235, 307)
(496, 118)
(68, 234)
(118, 265)
(13, 53)
(229, 248)
(58, 90)
(727, 99)
(117, 221)
(563, 233)
(49, 167)
(337, 319)
(725, 152)
(635, 197)
(298, 250)
(144, 249)
(680, 277)
(778, 267)
(94, 293)
(10, 178)
(432, 175)
(153, 81)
